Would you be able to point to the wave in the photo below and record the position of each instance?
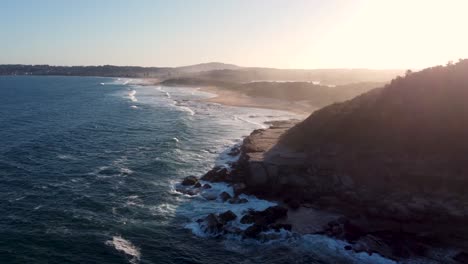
(261, 125)
(132, 97)
(187, 109)
(125, 246)
(134, 107)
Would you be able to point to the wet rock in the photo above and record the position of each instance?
(348, 247)
(293, 203)
(210, 195)
(189, 190)
(224, 196)
(248, 219)
(274, 213)
(237, 200)
(227, 217)
(234, 151)
(278, 227)
(189, 181)
(211, 224)
(238, 188)
(372, 244)
(197, 185)
(266, 217)
(217, 174)
(253, 231)
(206, 186)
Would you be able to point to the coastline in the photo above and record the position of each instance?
(234, 98)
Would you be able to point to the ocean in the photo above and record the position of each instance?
(88, 167)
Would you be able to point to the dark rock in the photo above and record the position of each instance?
(197, 185)
(211, 224)
(225, 196)
(352, 232)
(253, 231)
(237, 200)
(348, 247)
(238, 188)
(210, 195)
(206, 186)
(189, 190)
(373, 244)
(265, 217)
(461, 257)
(248, 219)
(277, 227)
(189, 180)
(274, 213)
(227, 217)
(217, 174)
(234, 151)
(293, 203)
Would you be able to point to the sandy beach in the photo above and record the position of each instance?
(233, 98)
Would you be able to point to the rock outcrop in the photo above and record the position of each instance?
(393, 161)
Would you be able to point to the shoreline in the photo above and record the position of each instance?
(234, 98)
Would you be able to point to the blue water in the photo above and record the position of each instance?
(88, 165)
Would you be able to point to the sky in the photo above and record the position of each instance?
(383, 34)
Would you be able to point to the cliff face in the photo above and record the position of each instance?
(399, 151)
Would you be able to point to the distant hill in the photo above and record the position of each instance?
(209, 73)
(112, 71)
(210, 66)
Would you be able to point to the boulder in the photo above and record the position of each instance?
(217, 174)
(189, 190)
(248, 219)
(253, 231)
(211, 224)
(237, 200)
(210, 195)
(278, 227)
(265, 217)
(238, 188)
(206, 186)
(227, 217)
(224, 196)
(189, 181)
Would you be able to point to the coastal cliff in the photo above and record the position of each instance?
(391, 161)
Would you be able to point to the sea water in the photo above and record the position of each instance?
(88, 167)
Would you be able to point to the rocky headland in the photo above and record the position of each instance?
(385, 171)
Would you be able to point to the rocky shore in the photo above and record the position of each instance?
(313, 200)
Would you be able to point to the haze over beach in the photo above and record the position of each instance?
(233, 131)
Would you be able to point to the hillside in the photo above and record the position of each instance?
(393, 162)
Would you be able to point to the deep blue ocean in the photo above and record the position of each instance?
(88, 167)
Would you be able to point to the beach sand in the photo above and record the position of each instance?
(234, 98)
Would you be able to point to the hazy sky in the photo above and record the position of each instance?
(270, 33)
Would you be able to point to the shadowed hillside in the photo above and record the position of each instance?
(411, 134)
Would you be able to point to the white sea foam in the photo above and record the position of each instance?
(131, 95)
(65, 157)
(187, 109)
(134, 107)
(125, 246)
(258, 124)
(175, 139)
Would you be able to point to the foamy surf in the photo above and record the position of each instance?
(126, 247)
(131, 96)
